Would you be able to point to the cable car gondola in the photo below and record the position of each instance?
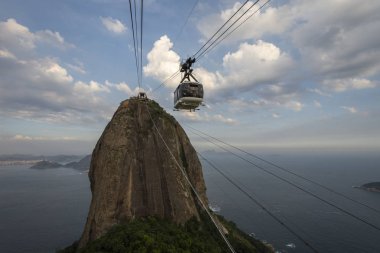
(189, 94)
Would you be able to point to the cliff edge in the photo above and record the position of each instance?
(133, 175)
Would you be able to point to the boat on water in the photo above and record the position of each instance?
(291, 245)
(214, 208)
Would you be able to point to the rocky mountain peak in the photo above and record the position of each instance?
(133, 175)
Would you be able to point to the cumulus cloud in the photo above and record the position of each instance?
(123, 87)
(6, 54)
(113, 25)
(162, 61)
(17, 37)
(340, 51)
(294, 105)
(40, 88)
(90, 88)
(254, 64)
(346, 46)
(265, 21)
(251, 67)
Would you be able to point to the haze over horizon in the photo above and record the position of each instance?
(300, 74)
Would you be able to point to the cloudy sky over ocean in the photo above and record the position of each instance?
(299, 73)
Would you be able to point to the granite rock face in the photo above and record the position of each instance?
(133, 175)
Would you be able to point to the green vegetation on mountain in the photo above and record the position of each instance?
(164, 236)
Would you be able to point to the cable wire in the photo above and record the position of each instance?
(288, 171)
(294, 185)
(134, 41)
(259, 204)
(187, 19)
(237, 27)
(175, 74)
(205, 50)
(191, 185)
(194, 56)
(141, 39)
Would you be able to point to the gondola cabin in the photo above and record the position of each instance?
(188, 96)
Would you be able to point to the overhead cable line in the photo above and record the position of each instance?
(175, 74)
(183, 171)
(217, 41)
(205, 50)
(225, 23)
(293, 184)
(289, 171)
(237, 27)
(260, 205)
(137, 41)
(141, 38)
(205, 44)
(187, 19)
(134, 40)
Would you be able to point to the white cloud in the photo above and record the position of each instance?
(294, 105)
(49, 92)
(319, 92)
(41, 88)
(262, 51)
(205, 117)
(77, 67)
(19, 38)
(254, 64)
(346, 46)
(113, 25)
(91, 87)
(249, 67)
(275, 115)
(162, 61)
(340, 85)
(349, 109)
(124, 87)
(16, 35)
(6, 54)
(20, 137)
(342, 55)
(265, 21)
(51, 70)
(52, 38)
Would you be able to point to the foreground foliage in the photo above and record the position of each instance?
(153, 235)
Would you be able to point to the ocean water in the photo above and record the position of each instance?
(44, 210)
(41, 210)
(324, 227)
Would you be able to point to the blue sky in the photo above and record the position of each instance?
(299, 74)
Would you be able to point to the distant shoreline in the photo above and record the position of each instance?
(18, 162)
(371, 187)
